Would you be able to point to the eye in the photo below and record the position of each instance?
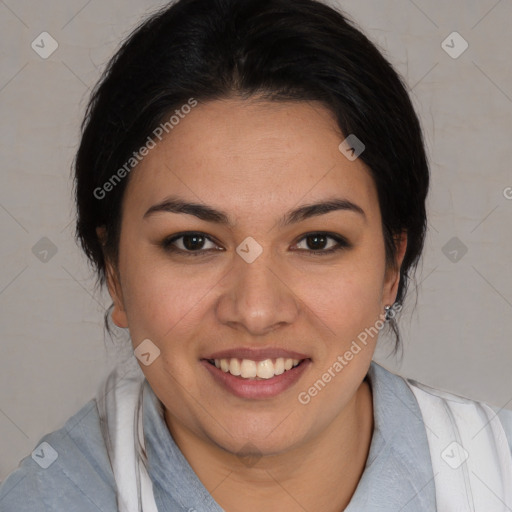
(196, 244)
(189, 244)
(316, 243)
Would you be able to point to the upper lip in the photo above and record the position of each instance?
(256, 354)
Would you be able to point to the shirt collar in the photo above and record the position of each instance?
(398, 473)
(397, 477)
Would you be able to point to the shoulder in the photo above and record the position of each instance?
(504, 416)
(399, 386)
(68, 470)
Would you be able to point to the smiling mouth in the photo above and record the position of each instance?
(255, 370)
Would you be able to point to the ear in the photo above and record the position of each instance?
(114, 284)
(392, 276)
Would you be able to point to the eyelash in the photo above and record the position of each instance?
(342, 243)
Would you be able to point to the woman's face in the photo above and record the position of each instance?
(245, 285)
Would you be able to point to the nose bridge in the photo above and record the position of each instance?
(257, 297)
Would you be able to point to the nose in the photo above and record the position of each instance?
(257, 297)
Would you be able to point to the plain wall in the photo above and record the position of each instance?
(54, 350)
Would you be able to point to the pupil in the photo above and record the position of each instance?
(193, 245)
(316, 244)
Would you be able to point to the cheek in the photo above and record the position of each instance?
(347, 297)
(161, 300)
(348, 310)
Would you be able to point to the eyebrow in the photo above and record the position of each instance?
(209, 214)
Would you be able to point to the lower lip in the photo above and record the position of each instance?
(257, 389)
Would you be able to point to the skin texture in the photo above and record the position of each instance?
(256, 160)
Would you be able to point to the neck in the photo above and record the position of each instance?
(320, 474)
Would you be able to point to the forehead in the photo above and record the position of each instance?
(250, 155)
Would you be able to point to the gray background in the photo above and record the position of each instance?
(54, 352)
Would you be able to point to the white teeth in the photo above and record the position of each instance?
(248, 369)
(234, 367)
(279, 366)
(265, 369)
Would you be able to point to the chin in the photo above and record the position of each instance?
(260, 436)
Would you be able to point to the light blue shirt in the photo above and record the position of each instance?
(398, 474)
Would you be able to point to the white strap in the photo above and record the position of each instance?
(146, 485)
(120, 409)
(470, 455)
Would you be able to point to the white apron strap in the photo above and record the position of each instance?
(146, 485)
(119, 401)
(470, 455)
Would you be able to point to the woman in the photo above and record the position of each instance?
(251, 186)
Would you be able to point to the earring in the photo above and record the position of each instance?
(388, 315)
